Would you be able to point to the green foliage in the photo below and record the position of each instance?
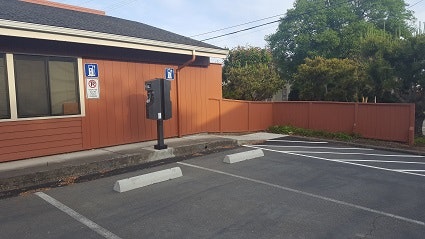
(388, 62)
(332, 29)
(374, 49)
(248, 74)
(389, 15)
(242, 56)
(321, 79)
(291, 130)
(420, 141)
(408, 61)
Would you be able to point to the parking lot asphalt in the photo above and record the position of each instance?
(299, 189)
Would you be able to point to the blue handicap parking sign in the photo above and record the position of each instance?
(91, 70)
(169, 74)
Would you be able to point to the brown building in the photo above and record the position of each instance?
(48, 101)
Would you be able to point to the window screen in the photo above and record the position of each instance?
(4, 90)
(46, 86)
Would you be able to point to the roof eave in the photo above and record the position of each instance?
(44, 32)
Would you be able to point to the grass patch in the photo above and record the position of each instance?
(291, 130)
(420, 141)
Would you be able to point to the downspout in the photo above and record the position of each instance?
(179, 121)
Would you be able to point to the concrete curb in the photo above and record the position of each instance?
(114, 163)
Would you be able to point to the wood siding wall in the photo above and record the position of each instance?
(33, 138)
(119, 116)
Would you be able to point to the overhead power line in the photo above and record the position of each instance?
(416, 3)
(243, 30)
(81, 4)
(85, 2)
(246, 23)
(119, 4)
(268, 23)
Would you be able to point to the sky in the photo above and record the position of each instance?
(193, 17)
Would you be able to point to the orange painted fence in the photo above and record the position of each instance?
(392, 122)
(239, 116)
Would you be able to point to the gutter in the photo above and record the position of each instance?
(179, 116)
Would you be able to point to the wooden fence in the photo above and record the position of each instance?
(392, 122)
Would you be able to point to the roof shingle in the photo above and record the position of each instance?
(15, 10)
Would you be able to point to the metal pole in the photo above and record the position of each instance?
(160, 132)
(160, 122)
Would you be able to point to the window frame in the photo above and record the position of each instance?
(5, 74)
(11, 80)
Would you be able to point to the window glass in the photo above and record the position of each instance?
(63, 87)
(4, 91)
(46, 86)
(31, 86)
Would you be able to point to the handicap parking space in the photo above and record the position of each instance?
(285, 194)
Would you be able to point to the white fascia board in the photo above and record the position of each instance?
(44, 32)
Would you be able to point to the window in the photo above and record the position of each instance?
(4, 90)
(46, 86)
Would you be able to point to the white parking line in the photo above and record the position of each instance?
(409, 170)
(335, 160)
(312, 147)
(379, 161)
(353, 153)
(291, 141)
(80, 218)
(309, 194)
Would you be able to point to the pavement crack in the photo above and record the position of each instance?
(373, 229)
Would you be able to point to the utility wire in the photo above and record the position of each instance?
(246, 23)
(80, 3)
(268, 23)
(242, 30)
(416, 3)
(85, 2)
(119, 4)
(217, 41)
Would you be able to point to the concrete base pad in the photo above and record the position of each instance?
(238, 157)
(128, 184)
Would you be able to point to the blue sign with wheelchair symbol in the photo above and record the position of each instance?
(91, 70)
(169, 74)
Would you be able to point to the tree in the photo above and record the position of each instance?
(321, 79)
(396, 69)
(389, 15)
(408, 61)
(248, 74)
(375, 50)
(331, 28)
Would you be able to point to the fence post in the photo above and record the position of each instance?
(310, 104)
(249, 117)
(411, 139)
(219, 115)
(356, 117)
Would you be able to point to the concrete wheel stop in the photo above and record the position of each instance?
(239, 157)
(128, 184)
